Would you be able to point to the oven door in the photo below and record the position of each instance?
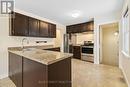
(87, 50)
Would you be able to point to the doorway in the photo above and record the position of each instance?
(109, 44)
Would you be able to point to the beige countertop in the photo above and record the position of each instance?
(42, 56)
(38, 47)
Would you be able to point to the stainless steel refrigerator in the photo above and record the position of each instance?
(66, 43)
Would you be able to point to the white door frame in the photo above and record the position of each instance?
(97, 40)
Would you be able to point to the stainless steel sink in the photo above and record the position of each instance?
(34, 50)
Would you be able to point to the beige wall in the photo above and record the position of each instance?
(124, 59)
(58, 41)
(74, 39)
(110, 46)
(11, 41)
(125, 66)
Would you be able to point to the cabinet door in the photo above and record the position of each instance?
(19, 25)
(52, 30)
(74, 28)
(78, 28)
(59, 74)
(85, 27)
(71, 29)
(34, 74)
(68, 29)
(77, 52)
(33, 27)
(89, 26)
(44, 29)
(15, 69)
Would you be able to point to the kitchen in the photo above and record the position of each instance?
(80, 41)
(56, 44)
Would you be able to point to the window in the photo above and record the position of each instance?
(126, 32)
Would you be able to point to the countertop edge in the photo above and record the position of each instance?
(46, 63)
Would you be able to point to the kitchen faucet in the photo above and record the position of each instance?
(24, 39)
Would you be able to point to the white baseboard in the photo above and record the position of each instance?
(125, 77)
(3, 76)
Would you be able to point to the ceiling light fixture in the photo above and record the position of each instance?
(116, 33)
(76, 14)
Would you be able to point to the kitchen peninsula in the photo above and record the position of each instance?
(39, 68)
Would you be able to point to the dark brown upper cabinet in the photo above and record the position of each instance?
(33, 27)
(89, 26)
(52, 30)
(47, 29)
(73, 29)
(44, 29)
(19, 25)
(79, 28)
(70, 29)
(22, 25)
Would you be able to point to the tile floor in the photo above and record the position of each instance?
(88, 75)
(6, 83)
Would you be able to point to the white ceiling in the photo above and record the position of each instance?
(61, 10)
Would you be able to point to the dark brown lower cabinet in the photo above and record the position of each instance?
(28, 73)
(77, 52)
(15, 69)
(34, 74)
(59, 74)
(39, 75)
